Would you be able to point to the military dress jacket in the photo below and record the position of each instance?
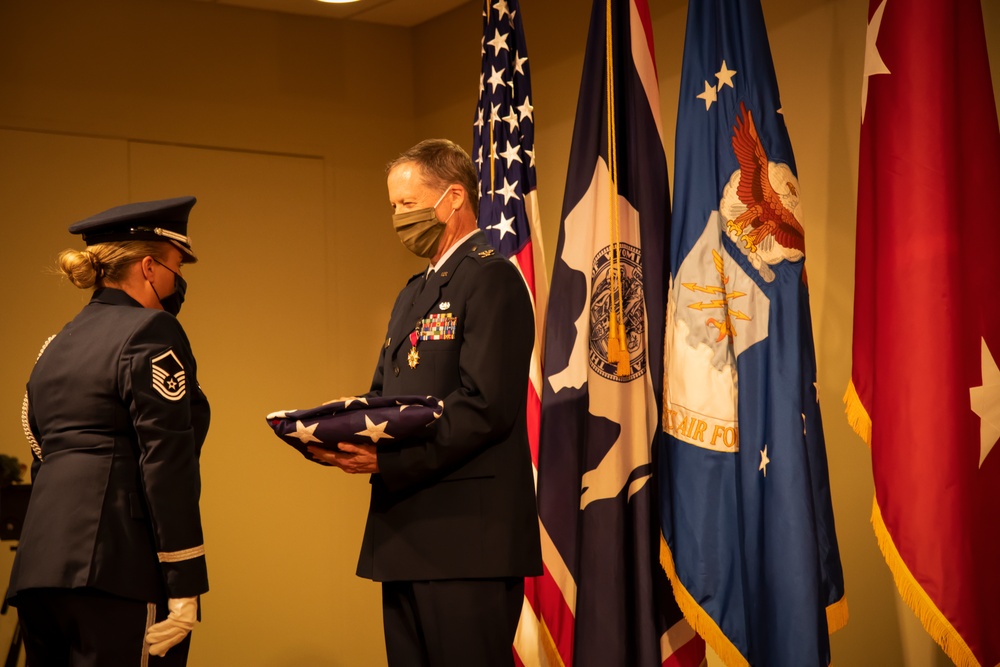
(460, 502)
(118, 421)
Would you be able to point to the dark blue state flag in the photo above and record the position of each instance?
(750, 544)
(603, 366)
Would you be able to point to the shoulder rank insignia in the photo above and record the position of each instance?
(168, 376)
(486, 253)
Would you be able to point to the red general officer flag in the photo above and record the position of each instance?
(925, 389)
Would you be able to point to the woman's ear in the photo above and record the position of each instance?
(146, 266)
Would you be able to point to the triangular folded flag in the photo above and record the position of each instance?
(359, 420)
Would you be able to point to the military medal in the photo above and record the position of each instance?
(413, 357)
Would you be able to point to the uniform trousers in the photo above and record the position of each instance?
(451, 623)
(85, 627)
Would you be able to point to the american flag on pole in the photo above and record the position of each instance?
(504, 152)
(603, 368)
(925, 386)
(747, 516)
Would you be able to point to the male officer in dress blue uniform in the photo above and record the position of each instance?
(112, 539)
(452, 528)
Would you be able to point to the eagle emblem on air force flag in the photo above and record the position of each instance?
(168, 376)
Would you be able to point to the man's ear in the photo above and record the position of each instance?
(459, 196)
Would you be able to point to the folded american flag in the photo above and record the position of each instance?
(358, 420)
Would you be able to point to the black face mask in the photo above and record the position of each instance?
(172, 302)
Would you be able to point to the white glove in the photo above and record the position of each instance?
(171, 631)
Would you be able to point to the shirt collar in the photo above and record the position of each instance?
(451, 251)
(113, 296)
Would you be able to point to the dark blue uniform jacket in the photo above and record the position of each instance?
(460, 502)
(119, 420)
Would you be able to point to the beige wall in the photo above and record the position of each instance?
(281, 125)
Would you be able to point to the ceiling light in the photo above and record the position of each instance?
(338, 2)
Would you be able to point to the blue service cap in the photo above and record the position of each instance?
(160, 220)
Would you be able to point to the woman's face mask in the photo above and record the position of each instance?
(172, 302)
(420, 230)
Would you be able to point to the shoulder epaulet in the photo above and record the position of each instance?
(482, 251)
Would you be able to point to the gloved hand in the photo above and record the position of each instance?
(171, 631)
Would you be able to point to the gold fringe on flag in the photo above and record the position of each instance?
(935, 623)
(836, 615)
(549, 646)
(699, 619)
(624, 361)
(857, 415)
(493, 158)
(612, 333)
(705, 625)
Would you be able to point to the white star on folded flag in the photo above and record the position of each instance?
(304, 433)
(374, 431)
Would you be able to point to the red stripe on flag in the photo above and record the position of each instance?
(688, 654)
(554, 611)
(534, 419)
(642, 8)
(526, 264)
(551, 611)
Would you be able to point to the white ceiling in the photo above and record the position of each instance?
(405, 13)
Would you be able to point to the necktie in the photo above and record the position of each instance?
(423, 284)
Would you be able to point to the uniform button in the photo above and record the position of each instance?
(395, 370)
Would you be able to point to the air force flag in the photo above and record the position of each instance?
(746, 514)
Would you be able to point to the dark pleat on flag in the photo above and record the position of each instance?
(925, 386)
(750, 543)
(603, 372)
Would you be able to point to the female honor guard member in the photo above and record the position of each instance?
(112, 540)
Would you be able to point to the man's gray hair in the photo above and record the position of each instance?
(443, 162)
